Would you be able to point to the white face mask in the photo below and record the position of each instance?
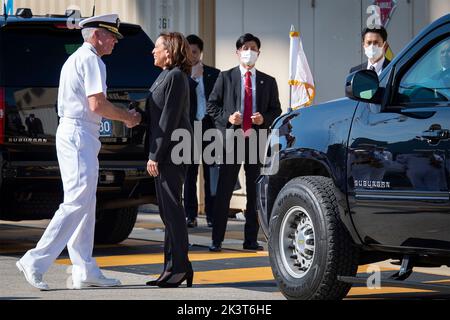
(249, 57)
(373, 52)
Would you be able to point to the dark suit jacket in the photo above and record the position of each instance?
(225, 99)
(210, 75)
(167, 109)
(363, 66)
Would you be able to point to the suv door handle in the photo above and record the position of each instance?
(436, 134)
(433, 136)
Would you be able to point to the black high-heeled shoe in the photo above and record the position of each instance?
(176, 279)
(154, 283)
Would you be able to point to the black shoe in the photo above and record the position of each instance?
(176, 279)
(209, 222)
(216, 247)
(191, 222)
(155, 282)
(255, 246)
(152, 283)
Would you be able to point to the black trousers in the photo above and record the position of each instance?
(210, 175)
(169, 185)
(228, 175)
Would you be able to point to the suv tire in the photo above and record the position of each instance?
(308, 245)
(114, 226)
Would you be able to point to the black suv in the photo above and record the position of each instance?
(364, 178)
(32, 52)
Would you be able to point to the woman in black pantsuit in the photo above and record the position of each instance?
(168, 110)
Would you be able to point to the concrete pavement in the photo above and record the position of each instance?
(235, 274)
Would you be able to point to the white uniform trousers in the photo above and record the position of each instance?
(77, 145)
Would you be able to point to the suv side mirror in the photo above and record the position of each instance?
(362, 85)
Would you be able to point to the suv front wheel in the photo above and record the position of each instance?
(308, 244)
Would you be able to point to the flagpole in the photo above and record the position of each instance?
(4, 10)
(290, 85)
(93, 9)
(290, 98)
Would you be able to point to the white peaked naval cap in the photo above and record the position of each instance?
(110, 22)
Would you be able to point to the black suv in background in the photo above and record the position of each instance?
(364, 178)
(32, 52)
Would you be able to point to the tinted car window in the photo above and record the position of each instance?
(428, 80)
(33, 56)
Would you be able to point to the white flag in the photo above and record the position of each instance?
(300, 77)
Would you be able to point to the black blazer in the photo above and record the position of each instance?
(225, 99)
(210, 75)
(363, 66)
(167, 109)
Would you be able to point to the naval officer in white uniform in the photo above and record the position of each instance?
(81, 105)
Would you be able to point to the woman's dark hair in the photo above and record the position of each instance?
(246, 38)
(179, 51)
(193, 39)
(381, 31)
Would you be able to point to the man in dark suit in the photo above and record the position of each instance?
(374, 45)
(242, 98)
(202, 82)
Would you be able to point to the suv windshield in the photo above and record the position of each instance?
(33, 55)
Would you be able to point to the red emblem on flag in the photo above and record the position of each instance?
(386, 9)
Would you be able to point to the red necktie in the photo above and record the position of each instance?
(248, 104)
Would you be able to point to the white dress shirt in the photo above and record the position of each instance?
(378, 65)
(201, 99)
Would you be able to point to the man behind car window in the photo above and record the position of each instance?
(444, 73)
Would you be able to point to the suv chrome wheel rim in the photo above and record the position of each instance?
(297, 242)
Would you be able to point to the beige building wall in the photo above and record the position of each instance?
(155, 16)
(127, 9)
(438, 8)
